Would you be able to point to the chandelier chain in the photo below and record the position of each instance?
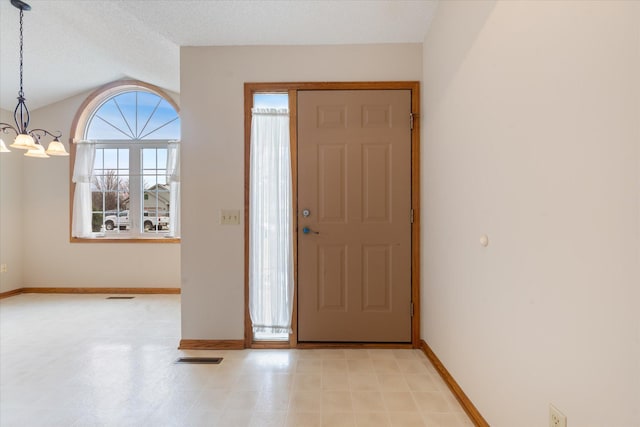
(21, 93)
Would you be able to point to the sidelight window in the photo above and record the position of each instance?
(270, 227)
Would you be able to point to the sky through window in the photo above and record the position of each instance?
(134, 115)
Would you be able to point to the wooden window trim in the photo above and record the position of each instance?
(292, 89)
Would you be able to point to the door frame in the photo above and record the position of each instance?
(292, 90)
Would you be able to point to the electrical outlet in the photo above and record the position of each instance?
(3, 268)
(229, 217)
(556, 418)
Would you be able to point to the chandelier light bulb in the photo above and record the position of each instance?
(37, 151)
(24, 142)
(56, 148)
(3, 147)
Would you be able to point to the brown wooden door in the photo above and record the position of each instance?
(354, 226)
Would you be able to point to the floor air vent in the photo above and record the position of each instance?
(200, 360)
(120, 297)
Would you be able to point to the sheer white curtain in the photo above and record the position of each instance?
(173, 177)
(270, 228)
(82, 207)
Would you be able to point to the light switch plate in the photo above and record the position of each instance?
(229, 216)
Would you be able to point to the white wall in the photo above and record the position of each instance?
(531, 136)
(50, 259)
(212, 81)
(11, 189)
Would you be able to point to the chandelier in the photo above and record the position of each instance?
(29, 139)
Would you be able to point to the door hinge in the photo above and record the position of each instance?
(411, 121)
(411, 308)
(411, 215)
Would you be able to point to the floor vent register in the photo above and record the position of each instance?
(200, 360)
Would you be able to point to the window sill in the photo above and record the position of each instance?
(112, 239)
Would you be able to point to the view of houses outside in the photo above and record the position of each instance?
(111, 197)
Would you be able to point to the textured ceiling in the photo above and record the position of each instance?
(71, 46)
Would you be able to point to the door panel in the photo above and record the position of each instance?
(332, 183)
(354, 178)
(332, 286)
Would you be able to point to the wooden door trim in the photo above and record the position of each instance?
(292, 89)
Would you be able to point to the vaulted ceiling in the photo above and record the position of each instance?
(71, 46)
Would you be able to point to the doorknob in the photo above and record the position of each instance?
(307, 230)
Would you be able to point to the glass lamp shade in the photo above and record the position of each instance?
(24, 142)
(56, 148)
(3, 148)
(37, 151)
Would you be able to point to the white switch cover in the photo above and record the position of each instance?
(229, 216)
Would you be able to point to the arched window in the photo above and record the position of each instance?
(126, 165)
(134, 115)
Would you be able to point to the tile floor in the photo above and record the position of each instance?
(84, 360)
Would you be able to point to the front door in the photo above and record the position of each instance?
(354, 216)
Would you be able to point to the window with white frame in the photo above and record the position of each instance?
(127, 169)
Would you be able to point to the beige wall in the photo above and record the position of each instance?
(531, 136)
(212, 81)
(11, 190)
(49, 258)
